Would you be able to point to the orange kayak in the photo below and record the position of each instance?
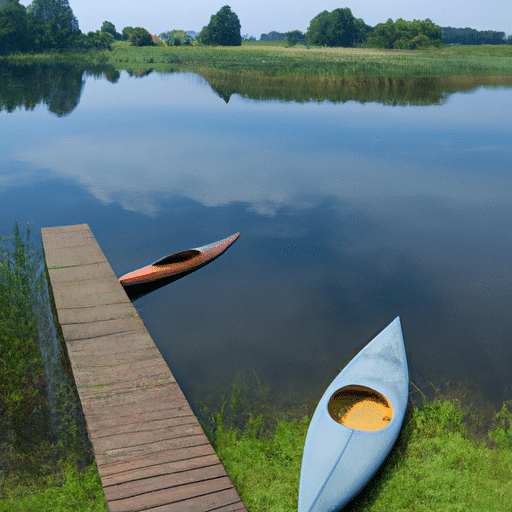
(178, 263)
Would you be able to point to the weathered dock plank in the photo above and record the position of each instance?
(150, 449)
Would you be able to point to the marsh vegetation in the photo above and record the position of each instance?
(334, 74)
(272, 61)
(47, 461)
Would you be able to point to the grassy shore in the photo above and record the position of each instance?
(447, 458)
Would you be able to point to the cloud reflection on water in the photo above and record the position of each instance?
(138, 172)
(140, 142)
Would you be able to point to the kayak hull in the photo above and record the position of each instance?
(178, 263)
(339, 460)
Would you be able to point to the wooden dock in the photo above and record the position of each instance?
(151, 451)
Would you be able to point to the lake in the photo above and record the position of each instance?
(350, 214)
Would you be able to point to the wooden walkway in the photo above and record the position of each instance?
(151, 451)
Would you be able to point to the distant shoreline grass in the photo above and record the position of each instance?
(357, 63)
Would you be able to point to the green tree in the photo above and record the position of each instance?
(98, 40)
(405, 35)
(14, 33)
(295, 37)
(336, 28)
(317, 30)
(176, 38)
(109, 28)
(52, 24)
(126, 33)
(361, 31)
(141, 37)
(223, 29)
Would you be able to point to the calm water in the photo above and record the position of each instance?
(350, 214)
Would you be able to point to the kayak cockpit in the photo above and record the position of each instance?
(178, 257)
(360, 408)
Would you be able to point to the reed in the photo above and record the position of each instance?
(43, 466)
(271, 61)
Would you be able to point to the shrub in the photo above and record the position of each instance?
(141, 37)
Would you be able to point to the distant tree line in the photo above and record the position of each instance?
(405, 35)
(291, 38)
(51, 25)
(471, 36)
(273, 36)
(341, 28)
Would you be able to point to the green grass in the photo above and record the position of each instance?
(84, 60)
(333, 62)
(434, 466)
(73, 491)
(259, 44)
(43, 466)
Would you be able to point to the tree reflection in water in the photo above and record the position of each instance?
(59, 86)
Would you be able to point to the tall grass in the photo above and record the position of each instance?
(43, 442)
(85, 60)
(340, 62)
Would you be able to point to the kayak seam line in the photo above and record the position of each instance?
(335, 465)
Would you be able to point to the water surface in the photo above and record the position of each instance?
(350, 214)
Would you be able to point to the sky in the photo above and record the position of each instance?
(260, 17)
